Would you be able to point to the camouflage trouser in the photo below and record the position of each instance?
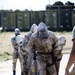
(24, 63)
(42, 68)
(51, 70)
(58, 62)
(15, 56)
(24, 67)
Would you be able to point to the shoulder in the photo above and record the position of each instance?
(28, 34)
(51, 34)
(33, 36)
(13, 37)
(32, 39)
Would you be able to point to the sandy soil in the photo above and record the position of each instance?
(6, 67)
(6, 46)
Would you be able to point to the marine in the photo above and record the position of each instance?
(24, 51)
(15, 54)
(44, 49)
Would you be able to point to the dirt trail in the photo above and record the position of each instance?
(6, 67)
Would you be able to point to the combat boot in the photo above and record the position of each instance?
(14, 72)
(22, 73)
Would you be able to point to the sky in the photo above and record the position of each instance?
(28, 4)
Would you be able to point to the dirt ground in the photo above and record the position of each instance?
(5, 46)
(6, 67)
(5, 40)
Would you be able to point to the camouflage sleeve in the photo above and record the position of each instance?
(14, 44)
(30, 49)
(25, 41)
(31, 44)
(12, 41)
(73, 33)
(56, 46)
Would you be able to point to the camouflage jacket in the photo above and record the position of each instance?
(14, 43)
(49, 45)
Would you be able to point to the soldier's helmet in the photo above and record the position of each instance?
(19, 40)
(33, 28)
(42, 30)
(62, 40)
(17, 31)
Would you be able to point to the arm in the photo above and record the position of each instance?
(55, 46)
(30, 50)
(25, 41)
(71, 58)
(31, 43)
(14, 44)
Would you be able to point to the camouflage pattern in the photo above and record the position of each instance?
(62, 42)
(48, 44)
(19, 40)
(28, 35)
(15, 54)
(24, 51)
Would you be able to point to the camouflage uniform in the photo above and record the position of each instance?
(24, 46)
(15, 54)
(19, 41)
(45, 44)
(62, 42)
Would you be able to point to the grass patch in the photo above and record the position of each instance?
(6, 48)
(5, 56)
(66, 51)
